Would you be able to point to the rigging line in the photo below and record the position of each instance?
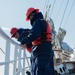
(46, 3)
(47, 12)
(52, 7)
(48, 8)
(64, 13)
(59, 10)
(2, 51)
(44, 6)
(69, 13)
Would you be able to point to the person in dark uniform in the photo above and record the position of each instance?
(19, 34)
(41, 36)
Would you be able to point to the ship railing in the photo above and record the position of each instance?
(20, 60)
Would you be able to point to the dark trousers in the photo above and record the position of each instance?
(42, 65)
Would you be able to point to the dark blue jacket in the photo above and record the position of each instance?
(23, 33)
(38, 27)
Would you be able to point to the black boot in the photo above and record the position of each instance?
(28, 73)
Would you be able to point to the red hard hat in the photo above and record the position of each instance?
(13, 31)
(29, 11)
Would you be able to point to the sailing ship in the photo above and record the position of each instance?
(63, 61)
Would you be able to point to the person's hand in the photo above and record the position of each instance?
(23, 46)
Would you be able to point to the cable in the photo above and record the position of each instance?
(47, 9)
(64, 13)
(69, 14)
(47, 12)
(59, 10)
(46, 3)
(44, 6)
(52, 7)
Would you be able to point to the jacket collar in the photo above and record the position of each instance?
(35, 17)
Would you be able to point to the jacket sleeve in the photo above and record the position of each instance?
(29, 47)
(36, 31)
(23, 33)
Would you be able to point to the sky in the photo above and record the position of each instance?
(12, 14)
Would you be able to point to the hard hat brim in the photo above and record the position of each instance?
(13, 34)
(27, 19)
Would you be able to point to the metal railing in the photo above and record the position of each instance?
(18, 66)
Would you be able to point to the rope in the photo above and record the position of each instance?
(64, 13)
(59, 10)
(52, 7)
(44, 6)
(69, 13)
(46, 3)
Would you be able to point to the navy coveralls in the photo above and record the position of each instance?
(42, 55)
